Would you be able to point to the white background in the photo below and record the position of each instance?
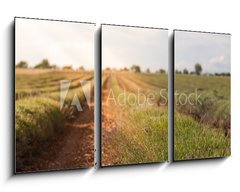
(206, 15)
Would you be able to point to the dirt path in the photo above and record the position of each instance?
(74, 148)
(109, 156)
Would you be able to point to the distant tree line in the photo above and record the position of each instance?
(44, 64)
(22, 64)
(222, 74)
(198, 71)
(136, 69)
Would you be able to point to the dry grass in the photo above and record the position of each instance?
(33, 71)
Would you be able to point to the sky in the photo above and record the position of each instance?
(62, 43)
(125, 46)
(212, 51)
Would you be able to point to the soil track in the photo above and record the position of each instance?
(73, 148)
(108, 156)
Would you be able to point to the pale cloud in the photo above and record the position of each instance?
(62, 43)
(212, 51)
(217, 59)
(125, 46)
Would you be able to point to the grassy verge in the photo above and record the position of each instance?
(193, 140)
(142, 131)
(142, 137)
(36, 121)
(202, 129)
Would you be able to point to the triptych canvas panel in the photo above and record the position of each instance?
(134, 95)
(202, 95)
(54, 95)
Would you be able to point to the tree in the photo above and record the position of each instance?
(192, 73)
(178, 72)
(22, 64)
(44, 64)
(136, 69)
(125, 69)
(81, 68)
(67, 67)
(162, 71)
(198, 69)
(148, 70)
(222, 74)
(185, 71)
(54, 66)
